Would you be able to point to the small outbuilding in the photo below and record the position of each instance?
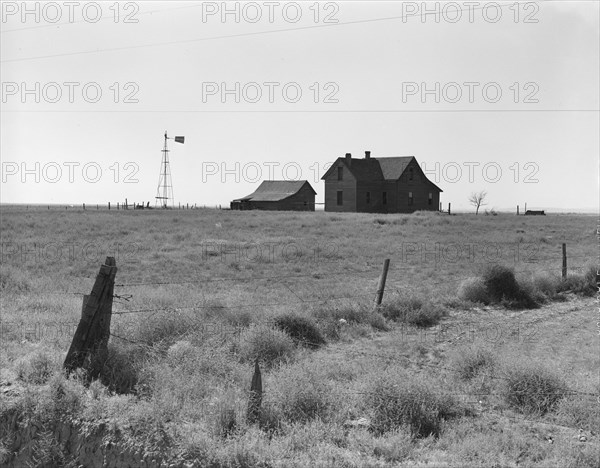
(282, 195)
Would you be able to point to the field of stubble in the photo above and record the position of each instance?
(431, 378)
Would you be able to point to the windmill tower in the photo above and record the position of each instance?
(164, 192)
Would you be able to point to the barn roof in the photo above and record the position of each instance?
(276, 190)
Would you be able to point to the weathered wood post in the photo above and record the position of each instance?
(382, 279)
(255, 398)
(564, 265)
(441, 209)
(126, 204)
(517, 210)
(449, 205)
(109, 205)
(84, 207)
(93, 331)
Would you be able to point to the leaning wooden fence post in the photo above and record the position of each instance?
(383, 277)
(564, 265)
(93, 331)
(255, 399)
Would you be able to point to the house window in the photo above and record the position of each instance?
(410, 198)
(430, 198)
(410, 173)
(368, 197)
(340, 173)
(384, 198)
(340, 197)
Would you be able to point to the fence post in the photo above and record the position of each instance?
(93, 331)
(564, 265)
(84, 207)
(449, 208)
(382, 278)
(126, 204)
(255, 398)
(109, 205)
(517, 210)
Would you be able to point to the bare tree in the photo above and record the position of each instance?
(477, 199)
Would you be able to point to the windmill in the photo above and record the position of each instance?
(164, 192)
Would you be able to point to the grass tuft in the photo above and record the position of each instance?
(398, 403)
(270, 345)
(300, 329)
(533, 389)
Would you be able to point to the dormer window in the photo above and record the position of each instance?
(340, 171)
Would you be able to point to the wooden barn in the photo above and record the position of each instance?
(283, 195)
(379, 185)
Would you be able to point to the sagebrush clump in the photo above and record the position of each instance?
(401, 402)
(300, 329)
(533, 389)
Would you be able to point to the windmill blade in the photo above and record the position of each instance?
(179, 139)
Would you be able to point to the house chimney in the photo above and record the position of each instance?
(367, 155)
(348, 159)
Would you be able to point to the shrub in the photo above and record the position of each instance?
(117, 368)
(533, 389)
(165, 329)
(470, 361)
(301, 395)
(398, 403)
(35, 369)
(268, 344)
(500, 282)
(502, 286)
(300, 329)
(414, 311)
(547, 284)
(584, 285)
(577, 411)
(226, 422)
(353, 314)
(473, 290)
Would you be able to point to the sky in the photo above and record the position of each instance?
(494, 96)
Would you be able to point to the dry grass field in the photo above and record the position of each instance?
(462, 365)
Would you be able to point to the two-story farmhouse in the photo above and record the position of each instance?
(379, 185)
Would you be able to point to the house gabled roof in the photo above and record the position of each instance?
(377, 169)
(393, 168)
(275, 190)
